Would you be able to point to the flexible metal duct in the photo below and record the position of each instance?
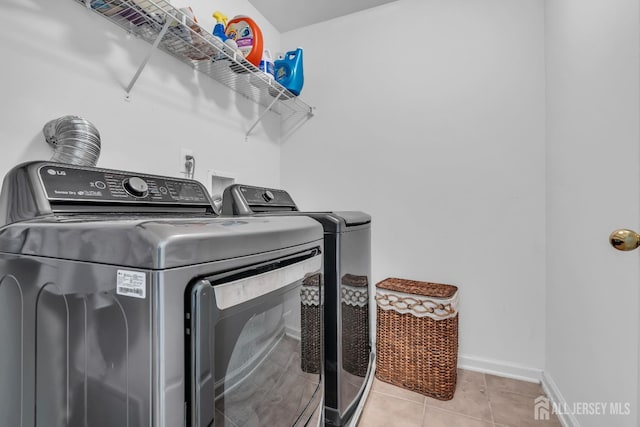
(74, 140)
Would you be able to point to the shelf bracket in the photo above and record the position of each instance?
(154, 46)
(275, 99)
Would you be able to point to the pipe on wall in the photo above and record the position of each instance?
(74, 140)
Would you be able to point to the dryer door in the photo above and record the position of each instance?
(254, 344)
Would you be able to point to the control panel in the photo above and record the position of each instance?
(80, 184)
(257, 196)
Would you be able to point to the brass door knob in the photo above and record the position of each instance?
(624, 240)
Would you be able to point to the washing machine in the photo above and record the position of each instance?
(125, 300)
(349, 357)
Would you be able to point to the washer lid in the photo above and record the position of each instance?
(155, 242)
(353, 218)
(338, 222)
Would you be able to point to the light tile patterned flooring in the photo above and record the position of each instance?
(480, 400)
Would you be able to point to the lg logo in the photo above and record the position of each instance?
(55, 172)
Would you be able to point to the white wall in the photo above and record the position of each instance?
(593, 117)
(430, 116)
(59, 58)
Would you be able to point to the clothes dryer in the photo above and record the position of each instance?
(126, 301)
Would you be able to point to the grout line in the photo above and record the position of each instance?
(449, 411)
(422, 420)
(518, 394)
(499, 389)
(486, 390)
(400, 397)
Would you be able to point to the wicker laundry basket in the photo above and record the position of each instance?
(310, 325)
(354, 300)
(417, 336)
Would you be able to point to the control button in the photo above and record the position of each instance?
(268, 196)
(163, 190)
(135, 186)
(100, 185)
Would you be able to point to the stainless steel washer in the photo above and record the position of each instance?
(126, 301)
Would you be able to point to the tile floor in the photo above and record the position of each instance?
(480, 400)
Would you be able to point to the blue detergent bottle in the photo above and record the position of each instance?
(289, 72)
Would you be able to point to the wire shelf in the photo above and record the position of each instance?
(170, 30)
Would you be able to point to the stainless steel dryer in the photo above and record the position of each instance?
(126, 301)
(349, 359)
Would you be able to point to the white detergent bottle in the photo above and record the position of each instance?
(266, 64)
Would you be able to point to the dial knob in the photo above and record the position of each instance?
(135, 186)
(268, 196)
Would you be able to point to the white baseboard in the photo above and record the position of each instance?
(553, 393)
(500, 368)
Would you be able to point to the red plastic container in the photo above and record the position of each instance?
(248, 37)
